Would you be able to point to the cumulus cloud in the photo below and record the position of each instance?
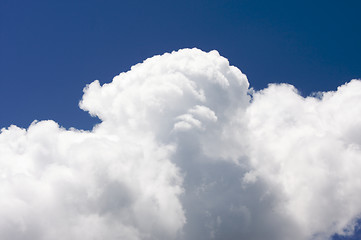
(310, 148)
(185, 150)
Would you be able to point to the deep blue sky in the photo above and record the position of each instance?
(49, 50)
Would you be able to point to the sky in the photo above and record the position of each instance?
(181, 129)
(52, 49)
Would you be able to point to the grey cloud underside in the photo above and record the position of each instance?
(186, 150)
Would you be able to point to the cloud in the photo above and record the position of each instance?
(186, 150)
(310, 148)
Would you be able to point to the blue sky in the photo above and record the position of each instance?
(50, 50)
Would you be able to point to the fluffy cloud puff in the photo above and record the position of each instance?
(310, 148)
(186, 150)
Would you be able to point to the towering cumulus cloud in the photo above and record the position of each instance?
(185, 150)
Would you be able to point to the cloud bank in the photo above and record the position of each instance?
(186, 150)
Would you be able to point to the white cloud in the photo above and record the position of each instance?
(86, 185)
(310, 148)
(183, 153)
